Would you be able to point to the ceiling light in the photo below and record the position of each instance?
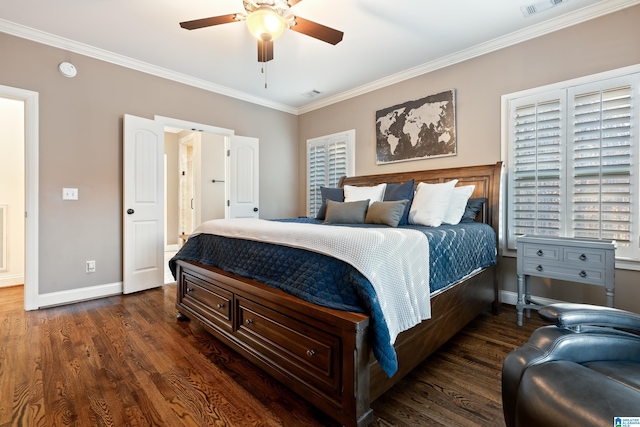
(265, 24)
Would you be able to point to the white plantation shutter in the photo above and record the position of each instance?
(602, 177)
(328, 159)
(337, 163)
(317, 167)
(537, 132)
(573, 164)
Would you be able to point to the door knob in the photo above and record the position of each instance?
(255, 209)
(130, 211)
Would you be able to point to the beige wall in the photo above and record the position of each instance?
(81, 146)
(599, 45)
(81, 135)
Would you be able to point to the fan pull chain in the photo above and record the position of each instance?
(264, 64)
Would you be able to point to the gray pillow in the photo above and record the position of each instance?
(335, 194)
(386, 213)
(346, 212)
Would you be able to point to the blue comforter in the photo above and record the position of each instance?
(454, 252)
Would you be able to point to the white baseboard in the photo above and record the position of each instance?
(77, 295)
(7, 281)
(100, 291)
(510, 297)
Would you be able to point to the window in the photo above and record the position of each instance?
(573, 162)
(329, 158)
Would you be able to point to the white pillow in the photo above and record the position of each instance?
(354, 193)
(430, 203)
(457, 204)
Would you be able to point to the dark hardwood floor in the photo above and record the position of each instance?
(127, 361)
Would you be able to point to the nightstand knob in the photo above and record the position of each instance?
(583, 273)
(539, 268)
(540, 253)
(249, 321)
(220, 306)
(583, 257)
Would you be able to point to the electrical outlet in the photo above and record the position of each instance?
(69, 194)
(91, 266)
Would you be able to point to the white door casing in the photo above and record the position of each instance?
(143, 204)
(243, 177)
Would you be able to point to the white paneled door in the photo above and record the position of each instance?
(143, 205)
(244, 173)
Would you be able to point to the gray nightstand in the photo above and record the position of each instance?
(577, 260)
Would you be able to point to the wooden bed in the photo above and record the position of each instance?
(324, 354)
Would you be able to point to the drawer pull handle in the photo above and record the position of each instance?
(311, 353)
(220, 306)
(189, 290)
(539, 268)
(583, 273)
(249, 321)
(540, 253)
(583, 257)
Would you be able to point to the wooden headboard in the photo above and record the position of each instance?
(486, 178)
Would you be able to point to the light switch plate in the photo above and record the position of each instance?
(69, 194)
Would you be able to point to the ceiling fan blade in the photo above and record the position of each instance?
(209, 22)
(317, 31)
(265, 50)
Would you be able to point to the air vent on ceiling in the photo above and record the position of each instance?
(532, 9)
(312, 93)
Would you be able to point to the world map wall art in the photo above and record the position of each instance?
(417, 130)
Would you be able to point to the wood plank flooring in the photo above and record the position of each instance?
(127, 361)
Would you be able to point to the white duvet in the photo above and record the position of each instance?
(395, 261)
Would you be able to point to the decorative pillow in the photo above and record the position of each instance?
(346, 212)
(335, 194)
(386, 213)
(374, 194)
(457, 204)
(430, 203)
(403, 191)
(474, 207)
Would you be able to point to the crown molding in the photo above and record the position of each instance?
(597, 10)
(134, 64)
(600, 9)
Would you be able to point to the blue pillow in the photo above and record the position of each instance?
(396, 192)
(335, 194)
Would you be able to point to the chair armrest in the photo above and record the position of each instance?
(566, 315)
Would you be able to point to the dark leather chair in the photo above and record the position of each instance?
(582, 371)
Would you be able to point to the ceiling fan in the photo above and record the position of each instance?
(267, 20)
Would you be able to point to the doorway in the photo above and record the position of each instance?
(30, 177)
(12, 192)
(195, 177)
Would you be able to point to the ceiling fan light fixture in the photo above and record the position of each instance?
(265, 20)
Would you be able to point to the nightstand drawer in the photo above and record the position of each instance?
(592, 258)
(542, 252)
(588, 275)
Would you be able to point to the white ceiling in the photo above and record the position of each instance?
(384, 40)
